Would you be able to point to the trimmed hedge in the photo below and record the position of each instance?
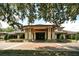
(37, 53)
(16, 40)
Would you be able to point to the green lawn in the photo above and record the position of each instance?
(37, 53)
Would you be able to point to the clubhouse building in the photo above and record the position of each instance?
(39, 32)
(43, 32)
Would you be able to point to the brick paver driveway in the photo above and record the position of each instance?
(39, 46)
(8, 45)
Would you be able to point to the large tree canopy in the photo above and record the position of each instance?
(9, 13)
(56, 13)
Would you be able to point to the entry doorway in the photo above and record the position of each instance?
(58, 36)
(40, 35)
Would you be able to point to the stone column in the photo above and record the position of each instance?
(26, 35)
(18, 37)
(53, 34)
(30, 35)
(34, 36)
(49, 34)
(64, 36)
(45, 35)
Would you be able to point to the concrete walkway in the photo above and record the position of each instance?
(39, 46)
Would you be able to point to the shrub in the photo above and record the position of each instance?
(12, 36)
(16, 40)
(22, 36)
(73, 37)
(77, 36)
(6, 37)
(61, 38)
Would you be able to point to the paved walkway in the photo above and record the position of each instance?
(39, 46)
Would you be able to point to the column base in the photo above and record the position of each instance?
(26, 40)
(49, 40)
(29, 39)
(52, 40)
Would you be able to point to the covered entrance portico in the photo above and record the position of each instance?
(40, 32)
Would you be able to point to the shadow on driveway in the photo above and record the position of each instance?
(52, 48)
(75, 48)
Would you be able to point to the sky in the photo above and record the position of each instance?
(72, 26)
(67, 26)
